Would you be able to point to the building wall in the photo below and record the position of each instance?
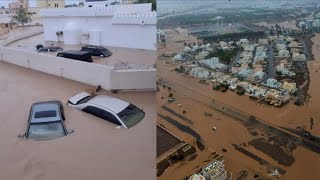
(117, 29)
(88, 73)
(50, 3)
(100, 3)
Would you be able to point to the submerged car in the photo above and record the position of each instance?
(46, 121)
(41, 48)
(111, 109)
(97, 51)
(76, 55)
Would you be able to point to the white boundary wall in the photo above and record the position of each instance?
(88, 73)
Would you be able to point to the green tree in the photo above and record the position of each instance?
(22, 16)
(154, 3)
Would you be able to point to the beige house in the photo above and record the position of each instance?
(50, 3)
(6, 25)
(289, 87)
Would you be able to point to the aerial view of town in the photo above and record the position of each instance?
(78, 89)
(238, 89)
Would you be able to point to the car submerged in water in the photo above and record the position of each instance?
(97, 50)
(46, 121)
(41, 48)
(111, 109)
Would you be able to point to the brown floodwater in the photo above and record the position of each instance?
(194, 96)
(96, 150)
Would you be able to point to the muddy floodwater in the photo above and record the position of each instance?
(96, 150)
(196, 102)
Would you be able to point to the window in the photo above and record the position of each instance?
(110, 117)
(46, 131)
(45, 114)
(102, 114)
(86, 99)
(131, 115)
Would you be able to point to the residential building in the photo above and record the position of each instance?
(202, 55)
(289, 87)
(15, 6)
(200, 72)
(249, 48)
(104, 3)
(6, 24)
(161, 36)
(273, 83)
(299, 57)
(215, 171)
(197, 177)
(125, 25)
(244, 41)
(263, 41)
(50, 3)
(284, 53)
(309, 24)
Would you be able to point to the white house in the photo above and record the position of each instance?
(125, 25)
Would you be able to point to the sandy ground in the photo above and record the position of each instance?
(135, 56)
(231, 132)
(96, 150)
(286, 24)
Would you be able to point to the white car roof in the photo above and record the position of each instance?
(114, 104)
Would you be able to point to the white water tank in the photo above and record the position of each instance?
(95, 37)
(72, 34)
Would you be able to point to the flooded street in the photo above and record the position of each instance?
(96, 150)
(196, 98)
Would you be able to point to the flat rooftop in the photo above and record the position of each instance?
(165, 141)
(96, 150)
(139, 58)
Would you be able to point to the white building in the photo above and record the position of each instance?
(298, 57)
(197, 177)
(129, 26)
(102, 3)
(50, 3)
(284, 53)
(215, 171)
(199, 72)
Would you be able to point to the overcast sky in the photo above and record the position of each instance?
(33, 2)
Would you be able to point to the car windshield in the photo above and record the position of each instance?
(131, 115)
(46, 131)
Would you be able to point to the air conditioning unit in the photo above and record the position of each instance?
(86, 34)
(59, 33)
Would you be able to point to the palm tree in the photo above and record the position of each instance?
(22, 16)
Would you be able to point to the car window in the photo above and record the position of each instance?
(131, 115)
(45, 114)
(110, 117)
(86, 99)
(102, 114)
(46, 131)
